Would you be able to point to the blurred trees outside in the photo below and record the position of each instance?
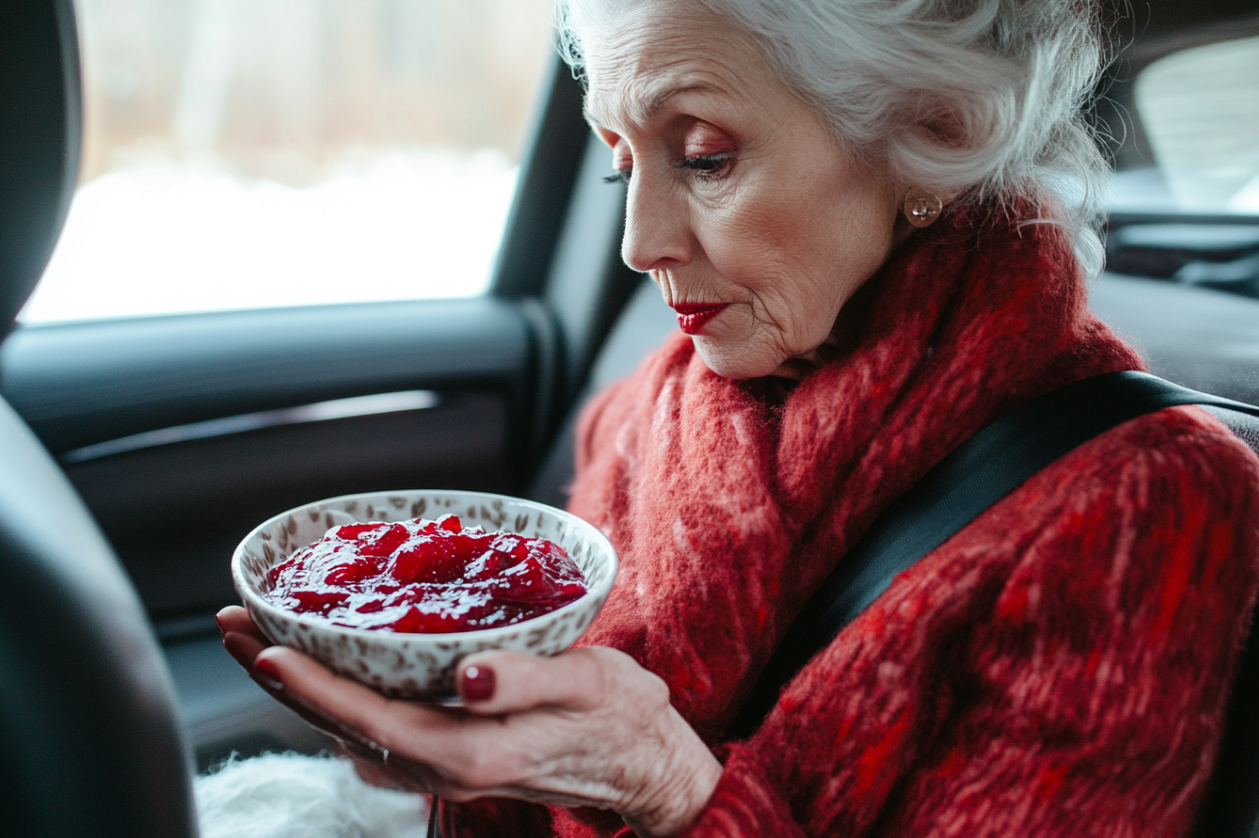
(284, 89)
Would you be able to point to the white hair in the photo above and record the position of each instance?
(979, 99)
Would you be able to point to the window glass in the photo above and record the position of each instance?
(258, 153)
(1200, 110)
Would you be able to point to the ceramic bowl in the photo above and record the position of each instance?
(420, 666)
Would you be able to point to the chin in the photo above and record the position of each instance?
(736, 365)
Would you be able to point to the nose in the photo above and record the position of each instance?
(657, 225)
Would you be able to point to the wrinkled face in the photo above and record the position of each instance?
(743, 207)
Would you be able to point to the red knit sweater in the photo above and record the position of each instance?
(1060, 667)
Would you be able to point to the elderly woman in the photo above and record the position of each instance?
(875, 221)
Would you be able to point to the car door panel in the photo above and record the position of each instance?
(83, 383)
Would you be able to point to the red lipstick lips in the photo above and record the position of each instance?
(693, 316)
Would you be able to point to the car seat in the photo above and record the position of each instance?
(88, 727)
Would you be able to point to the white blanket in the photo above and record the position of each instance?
(296, 796)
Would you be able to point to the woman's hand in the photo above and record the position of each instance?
(244, 641)
(589, 727)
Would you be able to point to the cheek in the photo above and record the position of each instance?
(743, 231)
(841, 235)
(767, 244)
(798, 256)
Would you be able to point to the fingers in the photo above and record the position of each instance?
(237, 619)
(348, 740)
(243, 647)
(570, 730)
(241, 636)
(376, 730)
(390, 724)
(447, 752)
(497, 683)
(242, 639)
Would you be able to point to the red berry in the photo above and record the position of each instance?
(420, 525)
(352, 531)
(427, 559)
(318, 601)
(450, 523)
(383, 541)
(417, 621)
(351, 572)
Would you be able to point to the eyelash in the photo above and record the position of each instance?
(705, 166)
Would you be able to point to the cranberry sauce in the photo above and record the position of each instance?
(425, 576)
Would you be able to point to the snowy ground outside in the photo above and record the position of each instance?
(161, 239)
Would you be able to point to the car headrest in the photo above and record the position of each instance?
(40, 127)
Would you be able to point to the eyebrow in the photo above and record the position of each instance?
(654, 104)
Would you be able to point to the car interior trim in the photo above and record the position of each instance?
(357, 406)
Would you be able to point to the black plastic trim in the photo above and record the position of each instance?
(40, 137)
(1131, 219)
(558, 136)
(85, 383)
(355, 407)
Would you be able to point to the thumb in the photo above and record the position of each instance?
(496, 682)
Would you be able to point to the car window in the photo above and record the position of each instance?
(1200, 111)
(242, 154)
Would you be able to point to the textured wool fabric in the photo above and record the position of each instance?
(1059, 667)
(296, 796)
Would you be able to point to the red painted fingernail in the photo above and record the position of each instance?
(478, 683)
(218, 623)
(269, 672)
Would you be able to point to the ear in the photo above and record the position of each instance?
(610, 138)
(622, 157)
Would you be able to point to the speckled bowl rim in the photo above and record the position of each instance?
(252, 597)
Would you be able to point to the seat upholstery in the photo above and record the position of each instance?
(91, 742)
(1231, 809)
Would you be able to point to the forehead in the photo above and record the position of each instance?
(651, 56)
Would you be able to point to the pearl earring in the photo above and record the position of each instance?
(921, 207)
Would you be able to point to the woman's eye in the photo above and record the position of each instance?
(619, 176)
(707, 166)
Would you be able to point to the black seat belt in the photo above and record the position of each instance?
(969, 480)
